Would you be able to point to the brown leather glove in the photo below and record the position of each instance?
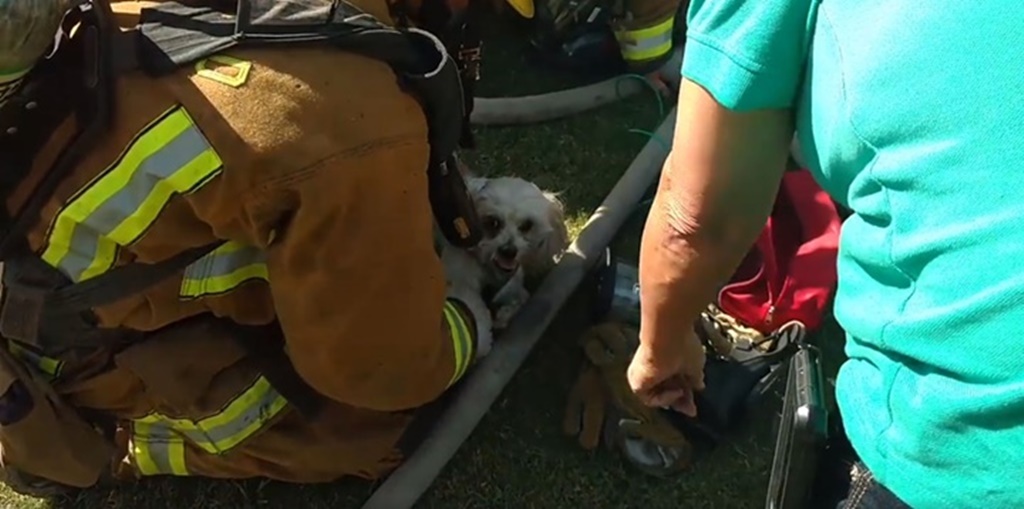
(602, 406)
(587, 408)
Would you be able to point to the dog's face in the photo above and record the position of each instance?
(523, 225)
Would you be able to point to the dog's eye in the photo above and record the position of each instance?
(492, 224)
(526, 226)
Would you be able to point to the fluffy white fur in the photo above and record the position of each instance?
(524, 232)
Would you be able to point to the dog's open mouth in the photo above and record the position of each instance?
(505, 265)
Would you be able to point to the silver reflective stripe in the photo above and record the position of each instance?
(649, 43)
(181, 150)
(223, 270)
(646, 43)
(159, 441)
(223, 264)
(155, 169)
(222, 437)
(239, 420)
(157, 450)
(170, 156)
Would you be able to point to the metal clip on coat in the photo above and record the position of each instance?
(453, 206)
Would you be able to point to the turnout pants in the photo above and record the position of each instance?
(191, 401)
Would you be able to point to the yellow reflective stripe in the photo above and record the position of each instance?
(223, 270)
(240, 419)
(170, 156)
(646, 43)
(157, 450)
(48, 365)
(8, 76)
(462, 340)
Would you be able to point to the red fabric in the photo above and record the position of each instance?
(791, 271)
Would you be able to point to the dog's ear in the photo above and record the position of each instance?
(555, 242)
(463, 168)
(475, 185)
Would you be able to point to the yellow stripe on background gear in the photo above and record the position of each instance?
(239, 420)
(462, 340)
(646, 43)
(223, 270)
(170, 156)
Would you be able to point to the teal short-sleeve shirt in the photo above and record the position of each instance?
(911, 114)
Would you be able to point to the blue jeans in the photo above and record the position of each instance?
(866, 493)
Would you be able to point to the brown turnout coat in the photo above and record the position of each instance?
(311, 163)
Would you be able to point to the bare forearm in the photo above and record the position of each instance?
(715, 194)
(681, 268)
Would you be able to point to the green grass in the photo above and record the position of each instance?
(518, 457)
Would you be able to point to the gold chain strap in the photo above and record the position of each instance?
(724, 332)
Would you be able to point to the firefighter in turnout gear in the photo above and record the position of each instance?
(642, 30)
(219, 258)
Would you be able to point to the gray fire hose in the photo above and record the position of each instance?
(531, 109)
(486, 381)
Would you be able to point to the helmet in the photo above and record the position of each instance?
(525, 8)
(27, 28)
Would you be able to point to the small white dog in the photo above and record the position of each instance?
(524, 232)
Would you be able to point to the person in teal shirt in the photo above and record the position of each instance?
(910, 115)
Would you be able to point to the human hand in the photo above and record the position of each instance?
(661, 83)
(669, 377)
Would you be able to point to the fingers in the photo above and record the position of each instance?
(675, 392)
(696, 382)
(665, 398)
(676, 397)
(680, 400)
(662, 88)
(658, 82)
(663, 383)
(686, 406)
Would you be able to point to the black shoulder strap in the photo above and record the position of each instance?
(41, 307)
(130, 279)
(467, 45)
(172, 35)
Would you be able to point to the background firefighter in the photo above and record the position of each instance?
(310, 162)
(578, 33)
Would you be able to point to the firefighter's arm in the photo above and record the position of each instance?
(645, 33)
(359, 290)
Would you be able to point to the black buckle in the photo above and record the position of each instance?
(452, 204)
(22, 311)
(470, 60)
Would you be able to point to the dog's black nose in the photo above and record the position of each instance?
(508, 252)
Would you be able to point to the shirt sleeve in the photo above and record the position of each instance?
(749, 54)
